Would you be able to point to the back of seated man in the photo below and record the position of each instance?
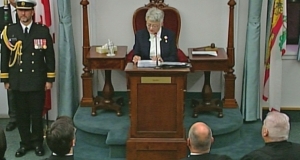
(60, 139)
(275, 132)
(3, 144)
(199, 142)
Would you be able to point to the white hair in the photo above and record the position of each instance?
(278, 126)
(154, 14)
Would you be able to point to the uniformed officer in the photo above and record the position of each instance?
(11, 18)
(28, 69)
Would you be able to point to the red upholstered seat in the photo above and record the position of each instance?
(172, 21)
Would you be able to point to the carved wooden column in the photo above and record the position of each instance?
(229, 100)
(87, 85)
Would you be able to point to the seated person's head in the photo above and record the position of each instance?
(67, 119)
(154, 20)
(199, 138)
(60, 136)
(276, 127)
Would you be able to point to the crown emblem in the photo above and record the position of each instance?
(22, 3)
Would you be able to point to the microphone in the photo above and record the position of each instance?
(155, 34)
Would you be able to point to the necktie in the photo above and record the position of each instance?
(26, 31)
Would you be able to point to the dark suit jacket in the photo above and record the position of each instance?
(168, 48)
(275, 151)
(52, 157)
(207, 156)
(37, 64)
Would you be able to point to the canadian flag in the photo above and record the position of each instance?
(44, 15)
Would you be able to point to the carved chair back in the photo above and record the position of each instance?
(171, 21)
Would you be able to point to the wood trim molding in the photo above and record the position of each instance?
(286, 108)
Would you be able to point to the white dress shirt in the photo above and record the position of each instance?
(13, 13)
(152, 44)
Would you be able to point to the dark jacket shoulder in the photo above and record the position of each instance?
(12, 25)
(41, 27)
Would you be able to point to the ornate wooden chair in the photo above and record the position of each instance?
(172, 21)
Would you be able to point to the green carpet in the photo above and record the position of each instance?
(103, 137)
(108, 132)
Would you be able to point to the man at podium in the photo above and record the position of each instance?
(155, 42)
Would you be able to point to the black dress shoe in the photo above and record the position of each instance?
(21, 151)
(11, 126)
(39, 150)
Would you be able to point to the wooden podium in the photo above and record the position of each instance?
(156, 113)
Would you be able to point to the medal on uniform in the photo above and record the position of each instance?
(36, 44)
(44, 43)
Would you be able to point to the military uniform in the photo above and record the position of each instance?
(35, 64)
(27, 63)
(10, 98)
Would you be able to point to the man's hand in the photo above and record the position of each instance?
(48, 86)
(6, 85)
(136, 59)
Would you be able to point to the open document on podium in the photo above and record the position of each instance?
(152, 64)
(205, 53)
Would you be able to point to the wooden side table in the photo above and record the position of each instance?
(107, 63)
(208, 64)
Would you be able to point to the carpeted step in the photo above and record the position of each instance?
(113, 130)
(87, 151)
(250, 139)
(226, 130)
(91, 138)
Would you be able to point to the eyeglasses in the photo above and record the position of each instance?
(149, 25)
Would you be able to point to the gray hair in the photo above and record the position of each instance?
(201, 142)
(154, 14)
(278, 126)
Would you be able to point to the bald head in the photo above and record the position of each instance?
(200, 138)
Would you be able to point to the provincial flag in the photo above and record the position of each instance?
(276, 48)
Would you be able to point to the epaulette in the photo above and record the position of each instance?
(39, 23)
(11, 24)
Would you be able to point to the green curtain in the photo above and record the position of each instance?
(250, 106)
(68, 98)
